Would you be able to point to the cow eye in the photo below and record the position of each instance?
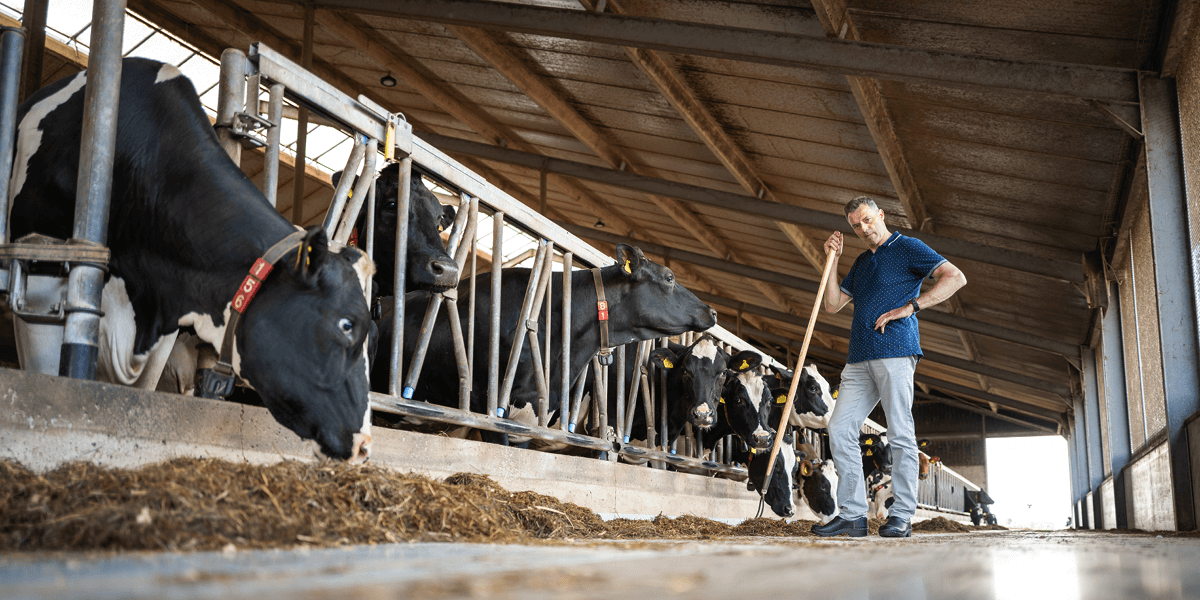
(347, 327)
(390, 206)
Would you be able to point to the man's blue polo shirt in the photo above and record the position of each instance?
(881, 281)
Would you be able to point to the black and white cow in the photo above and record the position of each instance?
(802, 486)
(695, 376)
(814, 403)
(428, 266)
(745, 408)
(185, 227)
(644, 302)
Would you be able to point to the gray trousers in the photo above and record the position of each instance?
(865, 384)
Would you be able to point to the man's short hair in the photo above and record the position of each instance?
(853, 205)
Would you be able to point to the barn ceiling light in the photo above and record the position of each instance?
(388, 80)
(599, 224)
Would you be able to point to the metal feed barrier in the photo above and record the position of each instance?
(582, 421)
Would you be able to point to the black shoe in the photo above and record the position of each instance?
(840, 526)
(896, 527)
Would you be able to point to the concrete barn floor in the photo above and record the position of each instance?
(1021, 565)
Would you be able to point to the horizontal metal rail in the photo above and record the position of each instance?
(454, 416)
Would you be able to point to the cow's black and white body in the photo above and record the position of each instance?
(428, 266)
(645, 302)
(814, 402)
(695, 376)
(185, 227)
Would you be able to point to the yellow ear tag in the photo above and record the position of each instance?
(869, 453)
(868, 442)
(307, 258)
(745, 365)
(440, 228)
(753, 451)
(781, 399)
(668, 364)
(627, 269)
(721, 401)
(350, 194)
(835, 394)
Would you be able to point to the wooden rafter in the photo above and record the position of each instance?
(486, 47)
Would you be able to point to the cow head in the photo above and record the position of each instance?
(646, 302)
(819, 482)
(747, 404)
(814, 403)
(876, 455)
(302, 342)
(428, 266)
(779, 494)
(699, 374)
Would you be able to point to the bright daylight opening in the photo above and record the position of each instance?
(1030, 480)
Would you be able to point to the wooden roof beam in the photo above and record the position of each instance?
(511, 67)
(698, 117)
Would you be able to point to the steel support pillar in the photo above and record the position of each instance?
(1117, 402)
(1173, 270)
(10, 81)
(33, 21)
(94, 188)
(1073, 465)
(1079, 444)
(1095, 454)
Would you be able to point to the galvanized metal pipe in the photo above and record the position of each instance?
(630, 399)
(11, 44)
(271, 160)
(93, 189)
(474, 218)
(577, 406)
(402, 208)
(541, 369)
(370, 237)
(565, 365)
(493, 393)
(359, 197)
(519, 340)
(620, 416)
(231, 89)
(338, 202)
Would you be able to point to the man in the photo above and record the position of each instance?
(885, 285)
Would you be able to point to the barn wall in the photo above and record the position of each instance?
(967, 457)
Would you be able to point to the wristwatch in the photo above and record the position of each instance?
(916, 307)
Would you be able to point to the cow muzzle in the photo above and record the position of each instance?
(761, 440)
(704, 417)
(445, 272)
(362, 449)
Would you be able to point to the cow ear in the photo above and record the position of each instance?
(448, 213)
(663, 358)
(806, 468)
(631, 260)
(335, 178)
(780, 395)
(744, 361)
(923, 443)
(307, 259)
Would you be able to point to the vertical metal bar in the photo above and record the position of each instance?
(299, 178)
(648, 409)
(33, 21)
(547, 327)
(370, 232)
(541, 369)
(1091, 412)
(630, 399)
(662, 390)
(93, 189)
(271, 161)
(1176, 274)
(471, 303)
(231, 89)
(10, 72)
(565, 366)
(577, 408)
(518, 344)
(620, 396)
(494, 329)
(401, 260)
(597, 386)
(346, 221)
(338, 202)
(1119, 449)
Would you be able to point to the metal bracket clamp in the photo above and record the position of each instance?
(215, 384)
(48, 249)
(605, 356)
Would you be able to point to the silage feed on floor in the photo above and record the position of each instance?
(207, 504)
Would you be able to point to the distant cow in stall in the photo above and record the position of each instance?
(802, 485)
(185, 227)
(814, 403)
(427, 265)
(695, 376)
(644, 302)
(879, 495)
